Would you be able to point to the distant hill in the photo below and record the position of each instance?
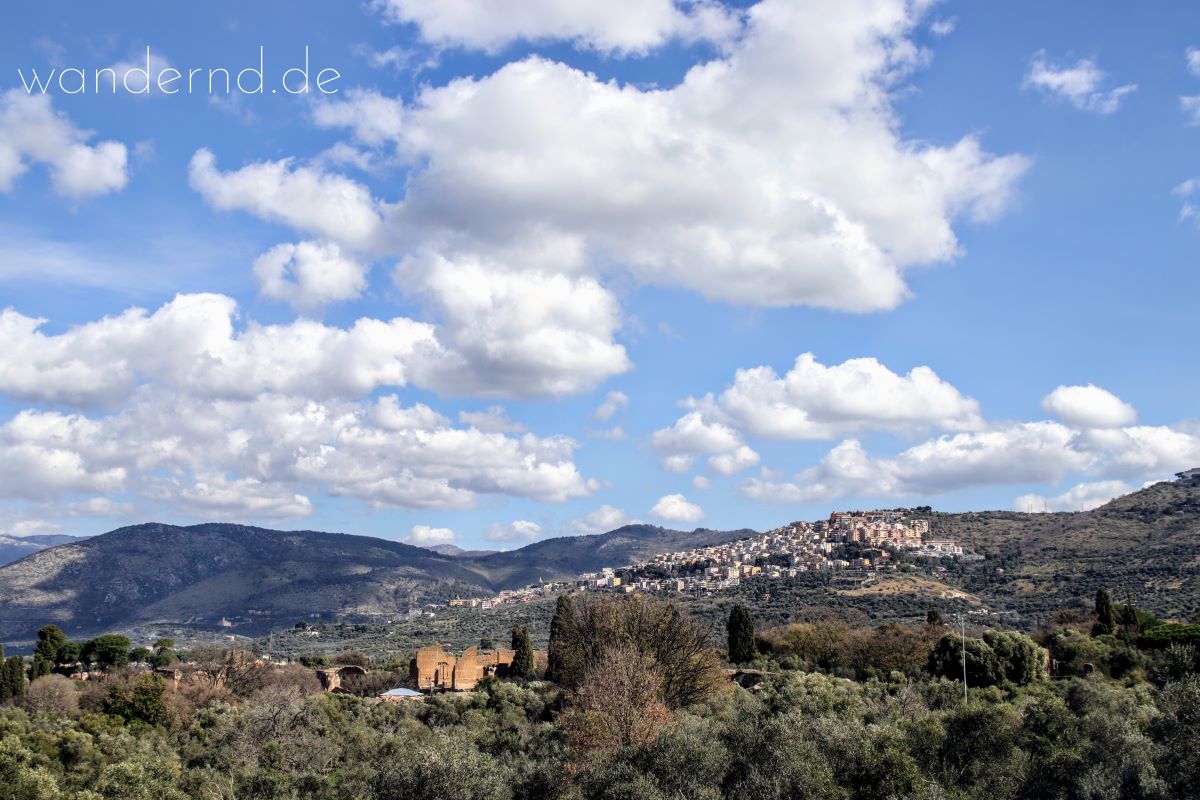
(263, 578)
(458, 552)
(1145, 545)
(13, 548)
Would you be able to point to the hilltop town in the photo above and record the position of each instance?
(856, 545)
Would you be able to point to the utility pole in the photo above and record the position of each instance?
(963, 619)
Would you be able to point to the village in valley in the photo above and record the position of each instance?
(854, 546)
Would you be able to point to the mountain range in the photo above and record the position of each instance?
(14, 548)
(1143, 546)
(201, 574)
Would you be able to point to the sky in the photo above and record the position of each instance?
(489, 272)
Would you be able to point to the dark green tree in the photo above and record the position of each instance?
(5, 683)
(522, 644)
(15, 679)
(107, 651)
(46, 653)
(565, 665)
(983, 668)
(740, 628)
(1105, 614)
(142, 702)
(934, 617)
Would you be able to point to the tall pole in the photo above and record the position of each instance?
(963, 619)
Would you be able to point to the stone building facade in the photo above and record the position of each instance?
(433, 669)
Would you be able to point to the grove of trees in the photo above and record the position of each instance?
(635, 704)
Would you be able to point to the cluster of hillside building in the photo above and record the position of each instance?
(874, 538)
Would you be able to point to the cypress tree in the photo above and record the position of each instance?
(16, 676)
(1105, 614)
(5, 683)
(522, 664)
(565, 666)
(741, 635)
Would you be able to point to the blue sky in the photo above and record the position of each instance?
(539, 268)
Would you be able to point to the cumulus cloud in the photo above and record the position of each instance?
(1083, 497)
(424, 535)
(32, 132)
(307, 199)
(520, 530)
(1190, 105)
(733, 462)
(1186, 190)
(943, 27)
(373, 118)
(518, 333)
(137, 75)
(613, 402)
(615, 26)
(1089, 407)
(493, 419)
(814, 401)
(210, 494)
(1080, 85)
(1030, 452)
(254, 455)
(603, 519)
(676, 508)
(772, 175)
(692, 435)
(1192, 57)
(309, 275)
(191, 344)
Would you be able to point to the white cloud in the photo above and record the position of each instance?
(1080, 85)
(1185, 190)
(521, 530)
(733, 462)
(603, 519)
(614, 434)
(1030, 452)
(813, 401)
(213, 493)
(943, 27)
(374, 119)
(691, 435)
(1083, 497)
(1190, 105)
(139, 74)
(613, 402)
(1142, 451)
(1192, 56)
(615, 26)
(1089, 407)
(702, 482)
(493, 419)
(676, 508)
(31, 131)
(191, 344)
(307, 199)
(424, 535)
(308, 275)
(390, 415)
(259, 455)
(518, 333)
(772, 175)
(1024, 453)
